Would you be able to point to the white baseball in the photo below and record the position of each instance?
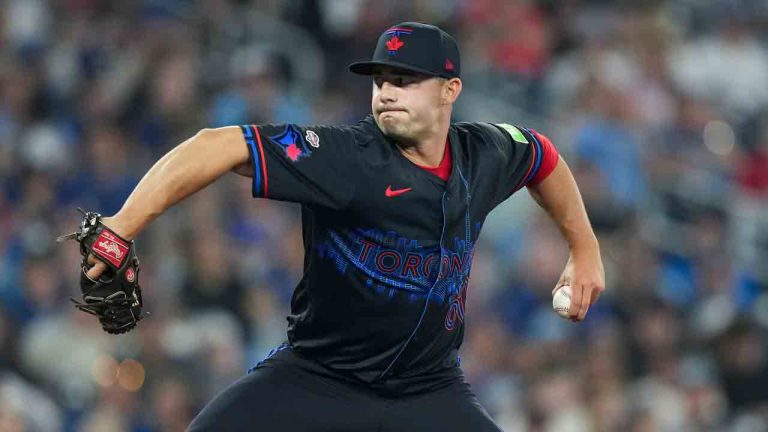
(561, 300)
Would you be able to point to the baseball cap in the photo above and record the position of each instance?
(417, 47)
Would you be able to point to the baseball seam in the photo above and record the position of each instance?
(567, 295)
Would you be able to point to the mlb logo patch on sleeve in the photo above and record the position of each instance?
(513, 132)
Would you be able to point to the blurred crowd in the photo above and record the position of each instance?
(660, 108)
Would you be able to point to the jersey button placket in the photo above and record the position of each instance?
(414, 336)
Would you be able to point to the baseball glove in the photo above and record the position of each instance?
(115, 298)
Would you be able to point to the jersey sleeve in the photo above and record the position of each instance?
(549, 158)
(307, 165)
(527, 157)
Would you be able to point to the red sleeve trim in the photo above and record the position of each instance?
(549, 158)
(263, 160)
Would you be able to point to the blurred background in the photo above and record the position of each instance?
(659, 107)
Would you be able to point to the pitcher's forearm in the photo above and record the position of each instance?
(559, 195)
(189, 167)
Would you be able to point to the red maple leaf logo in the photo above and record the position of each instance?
(394, 44)
(293, 152)
(448, 65)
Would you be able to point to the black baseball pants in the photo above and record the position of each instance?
(285, 393)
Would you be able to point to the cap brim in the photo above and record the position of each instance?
(367, 67)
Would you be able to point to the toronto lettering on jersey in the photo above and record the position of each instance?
(397, 264)
(412, 264)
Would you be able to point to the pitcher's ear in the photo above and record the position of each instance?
(451, 90)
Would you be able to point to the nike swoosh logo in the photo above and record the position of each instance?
(393, 193)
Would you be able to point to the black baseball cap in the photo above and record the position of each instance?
(416, 47)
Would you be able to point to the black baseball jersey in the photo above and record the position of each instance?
(388, 245)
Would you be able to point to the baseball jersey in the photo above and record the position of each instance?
(388, 245)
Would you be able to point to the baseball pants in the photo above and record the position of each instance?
(286, 393)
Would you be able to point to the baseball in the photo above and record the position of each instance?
(561, 301)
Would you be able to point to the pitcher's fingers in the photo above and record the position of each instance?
(94, 272)
(595, 296)
(575, 309)
(586, 299)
